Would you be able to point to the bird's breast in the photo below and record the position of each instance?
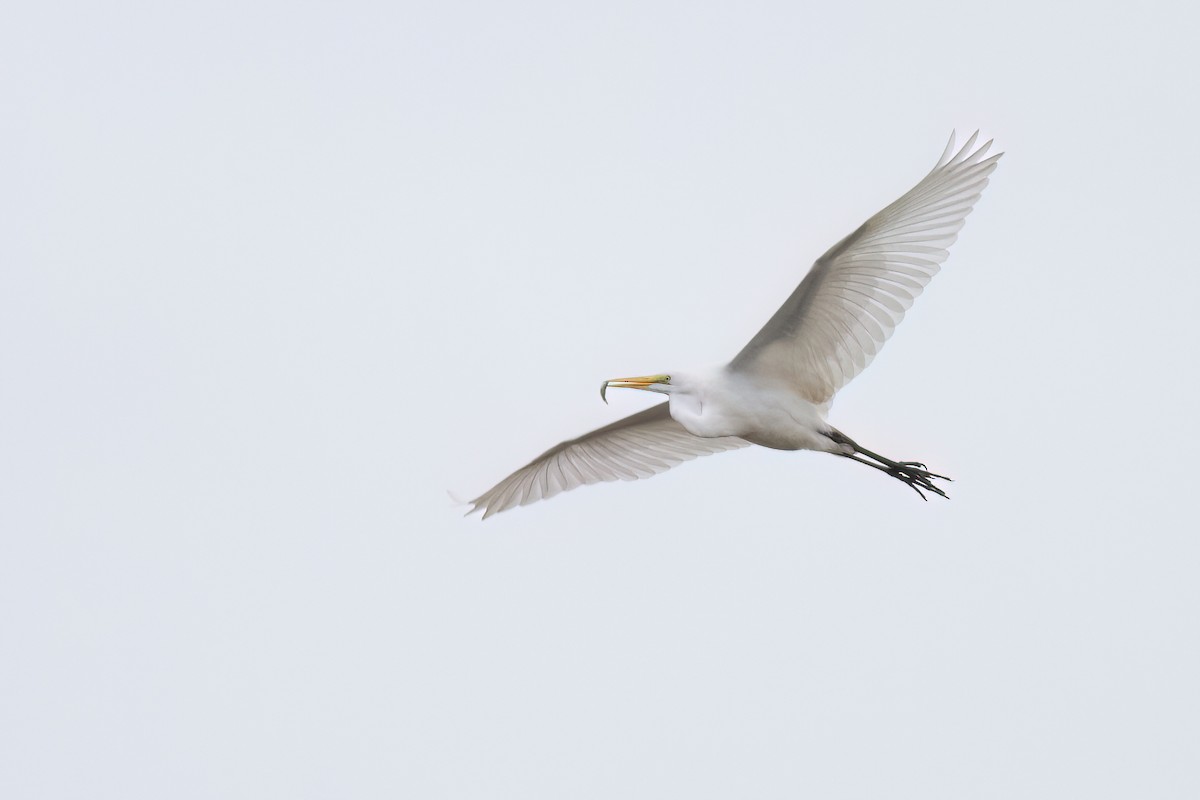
(781, 421)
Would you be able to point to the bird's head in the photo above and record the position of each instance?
(651, 383)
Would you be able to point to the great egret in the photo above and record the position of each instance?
(777, 391)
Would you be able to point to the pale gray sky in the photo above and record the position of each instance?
(277, 276)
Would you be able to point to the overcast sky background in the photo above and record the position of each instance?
(277, 276)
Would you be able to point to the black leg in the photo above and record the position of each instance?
(913, 473)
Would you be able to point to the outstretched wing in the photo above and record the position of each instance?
(637, 446)
(855, 295)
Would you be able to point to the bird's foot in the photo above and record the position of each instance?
(915, 474)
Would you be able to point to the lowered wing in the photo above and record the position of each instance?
(638, 446)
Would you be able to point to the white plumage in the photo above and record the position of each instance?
(777, 391)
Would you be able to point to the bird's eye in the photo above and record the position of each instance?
(668, 379)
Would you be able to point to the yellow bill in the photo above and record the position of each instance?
(644, 382)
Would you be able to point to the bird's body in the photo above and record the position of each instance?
(719, 401)
(777, 391)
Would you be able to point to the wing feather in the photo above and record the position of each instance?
(638, 446)
(855, 295)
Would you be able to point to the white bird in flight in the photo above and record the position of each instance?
(778, 390)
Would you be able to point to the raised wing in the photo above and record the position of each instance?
(637, 446)
(855, 295)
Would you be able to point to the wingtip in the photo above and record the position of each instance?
(947, 151)
(475, 505)
(954, 156)
(965, 151)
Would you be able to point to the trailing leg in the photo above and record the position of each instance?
(913, 473)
